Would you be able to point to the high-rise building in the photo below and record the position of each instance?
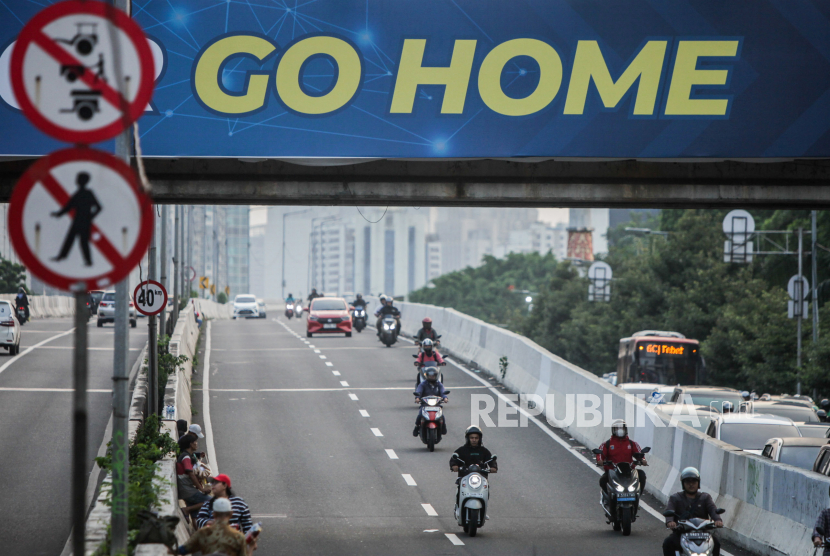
(433, 254)
(238, 242)
(256, 268)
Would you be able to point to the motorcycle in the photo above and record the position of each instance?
(436, 343)
(21, 315)
(695, 534)
(359, 318)
(431, 413)
(621, 499)
(389, 330)
(298, 309)
(289, 310)
(422, 372)
(473, 496)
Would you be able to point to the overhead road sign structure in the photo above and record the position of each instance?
(150, 298)
(78, 218)
(72, 80)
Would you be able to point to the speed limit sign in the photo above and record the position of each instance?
(150, 298)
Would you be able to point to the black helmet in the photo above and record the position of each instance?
(473, 430)
(360, 296)
(432, 374)
(825, 404)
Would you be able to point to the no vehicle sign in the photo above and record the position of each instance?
(78, 219)
(82, 71)
(150, 298)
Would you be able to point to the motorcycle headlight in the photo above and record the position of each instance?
(632, 488)
(432, 402)
(617, 486)
(387, 327)
(475, 481)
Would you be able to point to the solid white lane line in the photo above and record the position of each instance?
(211, 449)
(353, 397)
(14, 358)
(409, 480)
(329, 364)
(454, 539)
(391, 454)
(560, 441)
(364, 413)
(377, 432)
(336, 373)
(429, 510)
(344, 384)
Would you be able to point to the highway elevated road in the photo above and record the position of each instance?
(316, 435)
(36, 430)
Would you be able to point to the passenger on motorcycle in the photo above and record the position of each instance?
(687, 504)
(382, 300)
(471, 453)
(429, 354)
(430, 387)
(426, 331)
(620, 449)
(22, 300)
(388, 309)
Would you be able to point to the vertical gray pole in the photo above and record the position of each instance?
(153, 354)
(282, 265)
(814, 261)
(163, 260)
(176, 264)
(79, 430)
(800, 301)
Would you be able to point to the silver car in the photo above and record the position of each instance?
(106, 310)
(9, 328)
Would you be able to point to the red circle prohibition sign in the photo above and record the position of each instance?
(41, 173)
(33, 34)
(144, 284)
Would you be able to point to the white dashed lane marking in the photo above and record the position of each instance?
(317, 351)
(353, 397)
(377, 432)
(329, 364)
(344, 384)
(391, 454)
(336, 373)
(454, 539)
(364, 413)
(322, 357)
(429, 510)
(409, 480)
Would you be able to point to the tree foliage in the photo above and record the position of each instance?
(12, 276)
(677, 282)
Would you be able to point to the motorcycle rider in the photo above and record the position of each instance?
(290, 299)
(358, 302)
(429, 354)
(382, 300)
(22, 300)
(426, 331)
(313, 295)
(620, 449)
(687, 504)
(430, 387)
(471, 453)
(388, 309)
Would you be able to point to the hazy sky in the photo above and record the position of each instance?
(259, 215)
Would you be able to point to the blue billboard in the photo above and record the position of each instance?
(472, 78)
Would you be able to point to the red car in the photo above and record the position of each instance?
(329, 315)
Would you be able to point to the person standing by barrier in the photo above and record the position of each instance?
(221, 488)
(190, 488)
(823, 523)
(219, 537)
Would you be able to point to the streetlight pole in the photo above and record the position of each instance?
(282, 265)
(813, 260)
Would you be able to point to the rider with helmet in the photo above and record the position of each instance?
(429, 354)
(620, 449)
(426, 331)
(825, 405)
(359, 301)
(22, 300)
(687, 504)
(387, 309)
(290, 298)
(472, 452)
(430, 387)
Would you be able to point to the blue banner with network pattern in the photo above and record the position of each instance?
(472, 78)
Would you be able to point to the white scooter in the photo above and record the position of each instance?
(473, 495)
(696, 534)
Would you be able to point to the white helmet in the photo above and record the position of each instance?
(689, 473)
(619, 429)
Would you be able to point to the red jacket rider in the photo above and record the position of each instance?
(433, 356)
(618, 450)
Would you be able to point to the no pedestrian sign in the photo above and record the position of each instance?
(150, 298)
(82, 71)
(78, 219)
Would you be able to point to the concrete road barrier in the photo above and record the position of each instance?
(770, 507)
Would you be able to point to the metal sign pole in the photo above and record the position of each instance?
(163, 314)
(79, 430)
(176, 264)
(800, 301)
(153, 354)
(814, 261)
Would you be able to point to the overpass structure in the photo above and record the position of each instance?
(547, 103)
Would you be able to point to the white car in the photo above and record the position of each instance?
(245, 306)
(751, 431)
(9, 328)
(643, 390)
(106, 310)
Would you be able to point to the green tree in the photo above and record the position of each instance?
(12, 276)
(222, 298)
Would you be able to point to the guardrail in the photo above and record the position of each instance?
(771, 507)
(43, 306)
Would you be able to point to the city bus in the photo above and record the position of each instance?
(660, 357)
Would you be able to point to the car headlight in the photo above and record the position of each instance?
(475, 481)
